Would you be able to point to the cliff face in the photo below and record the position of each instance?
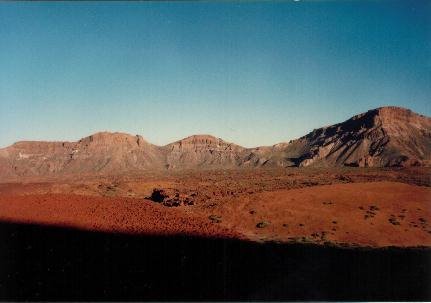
(388, 136)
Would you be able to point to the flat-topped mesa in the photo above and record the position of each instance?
(108, 138)
(203, 151)
(203, 142)
(385, 136)
(389, 115)
(200, 138)
(40, 146)
(397, 113)
(380, 117)
(103, 152)
(399, 122)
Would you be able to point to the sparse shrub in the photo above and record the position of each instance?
(369, 213)
(262, 224)
(393, 221)
(172, 202)
(344, 178)
(215, 218)
(188, 201)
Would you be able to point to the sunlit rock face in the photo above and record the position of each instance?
(387, 136)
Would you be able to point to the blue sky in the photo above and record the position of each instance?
(255, 73)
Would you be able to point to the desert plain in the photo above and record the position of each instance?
(346, 206)
(342, 213)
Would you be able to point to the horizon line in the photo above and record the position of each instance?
(207, 134)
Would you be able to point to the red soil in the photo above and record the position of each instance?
(105, 214)
(365, 214)
(345, 207)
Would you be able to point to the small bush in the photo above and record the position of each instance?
(215, 218)
(262, 224)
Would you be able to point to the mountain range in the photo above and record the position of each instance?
(382, 137)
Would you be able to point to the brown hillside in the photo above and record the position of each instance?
(387, 136)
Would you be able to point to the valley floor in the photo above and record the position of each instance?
(342, 207)
(294, 234)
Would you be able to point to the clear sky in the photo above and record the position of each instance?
(255, 73)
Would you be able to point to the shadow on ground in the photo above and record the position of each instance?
(41, 263)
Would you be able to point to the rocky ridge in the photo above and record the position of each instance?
(382, 137)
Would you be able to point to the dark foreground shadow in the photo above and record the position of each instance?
(41, 263)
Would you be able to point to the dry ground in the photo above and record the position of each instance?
(349, 206)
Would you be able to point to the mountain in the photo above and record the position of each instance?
(203, 151)
(103, 153)
(387, 136)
